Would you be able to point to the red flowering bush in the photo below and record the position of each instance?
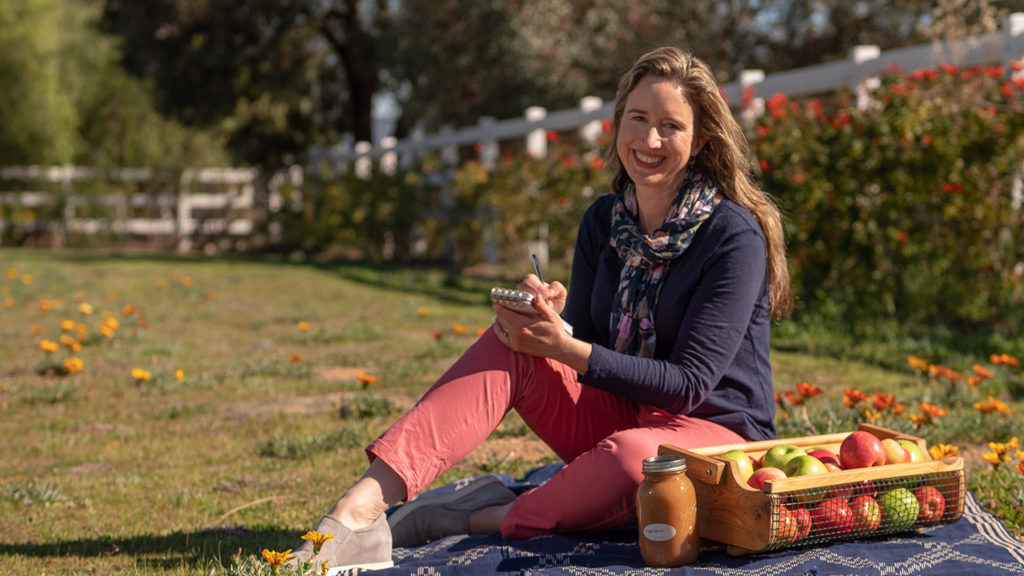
(904, 210)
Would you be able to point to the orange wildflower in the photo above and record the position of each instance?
(459, 329)
(883, 401)
(1004, 360)
(295, 357)
(982, 372)
(852, 397)
(932, 410)
(807, 390)
(366, 379)
(49, 346)
(141, 375)
(73, 365)
(304, 326)
(917, 363)
(436, 335)
(793, 398)
(993, 405)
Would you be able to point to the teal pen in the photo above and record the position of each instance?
(536, 267)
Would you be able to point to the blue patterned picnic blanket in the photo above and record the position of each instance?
(977, 544)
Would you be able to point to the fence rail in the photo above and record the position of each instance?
(857, 72)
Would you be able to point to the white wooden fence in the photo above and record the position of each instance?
(858, 72)
(216, 205)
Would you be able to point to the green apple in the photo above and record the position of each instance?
(743, 462)
(899, 509)
(916, 454)
(805, 465)
(777, 456)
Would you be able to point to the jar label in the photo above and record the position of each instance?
(659, 532)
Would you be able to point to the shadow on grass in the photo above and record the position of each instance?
(166, 551)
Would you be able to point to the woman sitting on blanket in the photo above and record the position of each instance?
(676, 277)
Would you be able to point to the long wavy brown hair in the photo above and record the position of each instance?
(725, 157)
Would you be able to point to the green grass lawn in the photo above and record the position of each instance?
(265, 379)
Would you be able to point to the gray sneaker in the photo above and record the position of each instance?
(430, 518)
(368, 548)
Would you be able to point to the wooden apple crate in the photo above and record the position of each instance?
(747, 520)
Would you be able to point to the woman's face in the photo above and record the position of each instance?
(656, 136)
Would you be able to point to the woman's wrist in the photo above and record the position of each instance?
(575, 355)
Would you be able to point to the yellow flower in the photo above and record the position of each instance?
(111, 322)
(82, 331)
(276, 559)
(180, 375)
(49, 346)
(85, 308)
(317, 539)
(304, 326)
(12, 273)
(67, 325)
(141, 376)
(73, 365)
(994, 459)
(26, 279)
(106, 331)
(423, 311)
(940, 451)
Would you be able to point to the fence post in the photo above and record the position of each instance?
(591, 132)
(407, 160)
(364, 161)
(389, 158)
(864, 79)
(536, 139)
(1013, 43)
(754, 108)
(488, 156)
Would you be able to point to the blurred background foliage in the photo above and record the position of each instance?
(899, 213)
(258, 82)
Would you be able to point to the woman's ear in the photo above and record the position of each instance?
(698, 145)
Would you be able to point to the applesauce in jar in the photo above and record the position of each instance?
(666, 509)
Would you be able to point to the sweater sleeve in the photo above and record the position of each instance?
(713, 325)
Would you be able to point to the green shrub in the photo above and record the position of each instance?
(904, 210)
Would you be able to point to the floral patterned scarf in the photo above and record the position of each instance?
(648, 256)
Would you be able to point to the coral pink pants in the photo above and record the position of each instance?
(603, 438)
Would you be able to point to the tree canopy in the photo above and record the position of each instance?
(126, 82)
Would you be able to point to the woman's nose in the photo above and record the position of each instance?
(653, 137)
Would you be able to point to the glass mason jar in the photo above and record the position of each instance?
(666, 509)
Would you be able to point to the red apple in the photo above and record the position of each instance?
(895, 453)
(860, 450)
(764, 474)
(825, 456)
(866, 514)
(833, 467)
(802, 516)
(833, 518)
(787, 529)
(844, 491)
(916, 453)
(932, 504)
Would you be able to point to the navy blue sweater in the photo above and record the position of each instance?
(712, 322)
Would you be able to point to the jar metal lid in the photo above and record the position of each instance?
(664, 463)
